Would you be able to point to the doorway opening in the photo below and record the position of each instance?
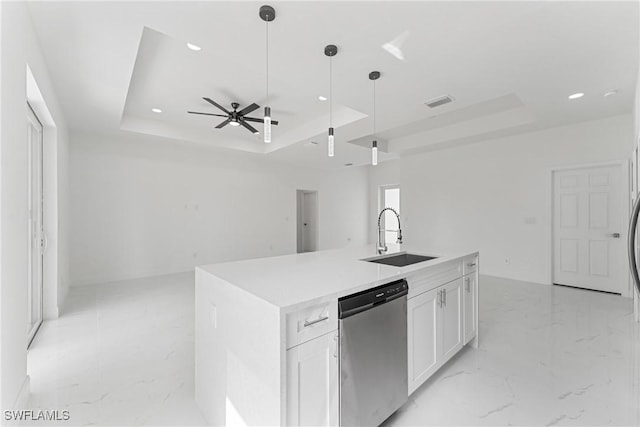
(587, 228)
(389, 197)
(36, 235)
(307, 220)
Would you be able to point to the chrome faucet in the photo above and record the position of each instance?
(382, 245)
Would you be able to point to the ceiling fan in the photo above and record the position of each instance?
(235, 117)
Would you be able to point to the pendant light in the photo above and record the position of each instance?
(267, 14)
(374, 75)
(331, 51)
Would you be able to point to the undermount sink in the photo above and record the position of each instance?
(400, 260)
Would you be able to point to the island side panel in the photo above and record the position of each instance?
(238, 355)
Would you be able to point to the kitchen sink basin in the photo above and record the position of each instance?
(400, 260)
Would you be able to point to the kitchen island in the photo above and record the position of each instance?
(266, 331)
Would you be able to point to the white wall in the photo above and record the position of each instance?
(19, 49)
(477, 196)
(143, 206)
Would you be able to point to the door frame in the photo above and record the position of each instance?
(31, 334)
(54, 278)
(624, 169)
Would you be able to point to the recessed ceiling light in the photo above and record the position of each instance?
(610, 93)
(193, 47)
(576, 95)
(156, 110)
(322, 98)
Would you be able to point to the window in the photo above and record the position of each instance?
(390, 198)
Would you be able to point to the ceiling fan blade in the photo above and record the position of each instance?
(206, 114)
(249, 109)
(255, 119)
(212, 102)
(223, 124)
(248, 126)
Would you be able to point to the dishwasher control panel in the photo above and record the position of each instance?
(355, 303)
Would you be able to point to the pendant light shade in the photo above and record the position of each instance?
(373, 76)
(331, 51)
(267, 14)
(374, 153)
(267, 125)
(330, 143)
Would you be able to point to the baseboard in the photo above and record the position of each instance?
(50, 313)
(125, 277)
(23, 395)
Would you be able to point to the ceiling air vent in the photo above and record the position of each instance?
(441, 100)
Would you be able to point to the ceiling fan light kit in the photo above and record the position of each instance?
(240, 118)
(331, 51)
(235, 117)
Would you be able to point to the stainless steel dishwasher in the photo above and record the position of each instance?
(373, 354)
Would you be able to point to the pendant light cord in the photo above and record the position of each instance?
(267, 61)
(374, 109)
(331, 91)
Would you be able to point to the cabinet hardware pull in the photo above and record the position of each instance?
(440, 301)
(313, 322)
(471, 264)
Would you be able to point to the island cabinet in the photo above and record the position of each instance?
(267, 340)
(312, 382)
(470, 297)
(437, 312)
(312, 365)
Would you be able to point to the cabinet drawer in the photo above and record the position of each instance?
(470, 263)
(432, 277)
(311, 322)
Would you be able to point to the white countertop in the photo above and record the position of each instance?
(290, 281)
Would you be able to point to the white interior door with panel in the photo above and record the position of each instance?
(309, 210)
(37, 238)
(588, 248)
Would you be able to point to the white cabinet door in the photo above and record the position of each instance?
(422, 327)
(470, 307)
(451, 315)
(312, 382)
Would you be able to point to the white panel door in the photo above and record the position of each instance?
(312, 382)
(36, 224)
(309, 217)
(588, 244)
(422, 334)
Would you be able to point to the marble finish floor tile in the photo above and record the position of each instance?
(122, 354)
(548, 355)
